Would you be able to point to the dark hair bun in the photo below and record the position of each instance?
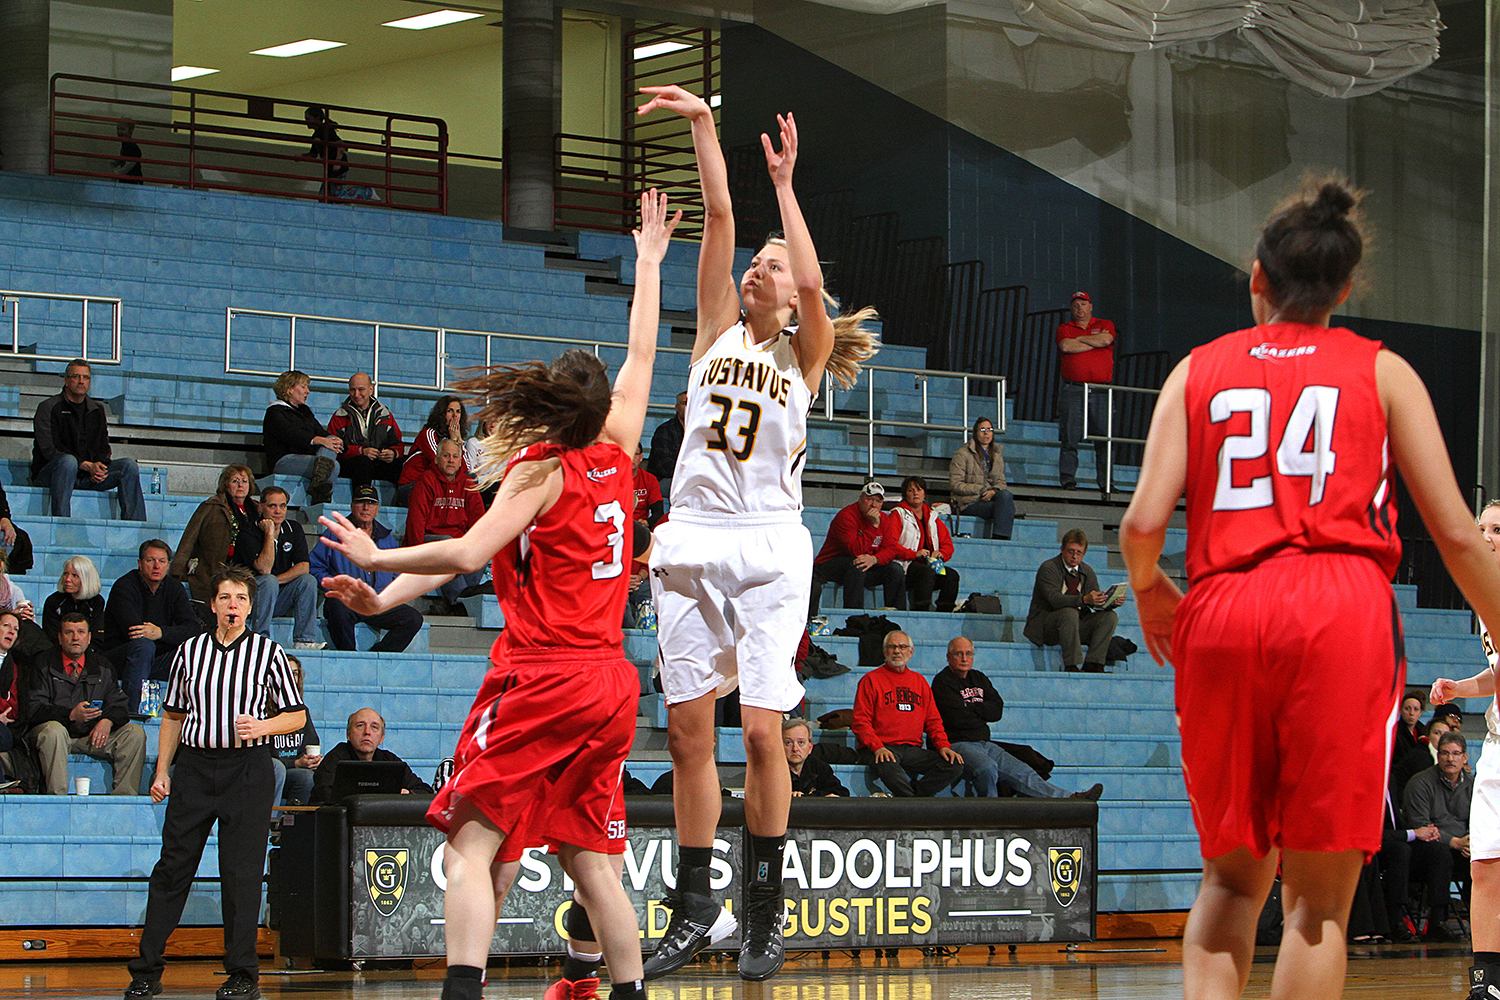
(1334, 203)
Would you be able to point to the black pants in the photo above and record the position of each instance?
(400, 625)
(233, 787)
(1434, 863)
(855, 581)
(932, 772)
(921, 581)
(361, 471)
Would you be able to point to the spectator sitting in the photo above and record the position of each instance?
(12, 724)
(290, 758)
(650, 508)
(923, 541)
(33, 640)
(128, 167)
(365, 732)
(967, 703)
(146, 618)
(976, 481)
(1450, 714)
(473, 458)
(75, 705)
(1440, 796)
(77, 593)
(401, 623)
(858, 553)
(212, 536)
(893, 707)
(70, 450)
(1416, 760)
(15, 544)
(1068, 608)
(445, 504)
(277, 552)
(1409, 727)
(296, 443)
(372, 439)
(810, 774)
(666, 442)
(447, 419)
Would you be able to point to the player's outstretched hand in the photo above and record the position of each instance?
(674, 98)
(780, 164)
(343, 536)
(354, 594)
(1443, 691)
(655, 234)
(1158, 613)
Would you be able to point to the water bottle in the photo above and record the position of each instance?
(155, 480)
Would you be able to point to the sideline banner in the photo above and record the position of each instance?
(874, 873)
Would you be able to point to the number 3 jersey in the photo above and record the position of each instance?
(745, 435)
(562, 581)
(1287, 448)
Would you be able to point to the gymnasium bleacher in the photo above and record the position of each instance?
(179, 260)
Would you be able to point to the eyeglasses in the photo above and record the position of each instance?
(899, 645)
(1452, 753)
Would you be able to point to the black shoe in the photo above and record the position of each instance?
(478, 590)
(142, 988)
(1401, 934)
(239, 987)
(1092, 794)
(1437, 931)
(1480, 987)
(697, 922)
(761, 949)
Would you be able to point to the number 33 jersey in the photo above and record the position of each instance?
(1287, 448)
(745, 435)
(562, 582)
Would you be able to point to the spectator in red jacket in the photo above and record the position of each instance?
(372, 441)
(858, 552)
(446, 419)
(893, 708)
(923, 548)
(445, 504)
(649, 507)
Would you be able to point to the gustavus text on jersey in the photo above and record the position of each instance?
(750, 374)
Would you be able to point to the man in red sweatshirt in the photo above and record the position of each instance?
(893, 708)
(445, 504)
(858, 552)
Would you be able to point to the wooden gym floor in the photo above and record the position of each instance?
(1111, 970)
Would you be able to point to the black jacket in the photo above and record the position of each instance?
(51, 694)
(967, 705)
(59, 604)
(289, 430)
(131, 603)
(323, 776)
(665, 444)
(817, 779)
(64, 428)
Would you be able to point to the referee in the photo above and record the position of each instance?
(230, 691)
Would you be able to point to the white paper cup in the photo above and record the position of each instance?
(80, 786)
(312, 749)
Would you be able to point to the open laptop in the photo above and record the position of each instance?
(367, 777)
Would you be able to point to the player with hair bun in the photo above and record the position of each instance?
(732, 568)
(1282, 437)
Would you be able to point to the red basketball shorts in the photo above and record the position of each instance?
(1289, 676)
(543, 751)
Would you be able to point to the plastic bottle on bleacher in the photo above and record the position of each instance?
(155, 479)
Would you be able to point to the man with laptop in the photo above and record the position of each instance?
(358, 766)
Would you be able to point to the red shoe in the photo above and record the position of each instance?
(577, 989)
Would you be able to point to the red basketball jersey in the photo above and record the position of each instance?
(1287, 447)
(562, 582)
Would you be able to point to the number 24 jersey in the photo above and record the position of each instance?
(1287, 448)
(562, 582)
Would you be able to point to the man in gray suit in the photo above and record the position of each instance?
(1069, 610)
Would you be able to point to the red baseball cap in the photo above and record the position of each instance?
(1082, 295)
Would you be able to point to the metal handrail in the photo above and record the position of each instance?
(1110, 440)
(10, 301)
(439, 383)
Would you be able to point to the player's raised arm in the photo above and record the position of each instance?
(718, 295)
(627, 412)
(814, 340)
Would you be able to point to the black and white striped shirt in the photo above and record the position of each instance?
(212, 684)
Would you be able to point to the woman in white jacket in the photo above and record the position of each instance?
(924, 540)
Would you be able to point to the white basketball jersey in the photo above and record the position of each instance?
(745, 432)
(1491, 714)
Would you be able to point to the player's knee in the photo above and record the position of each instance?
(690, 743)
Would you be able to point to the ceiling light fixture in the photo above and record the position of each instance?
(301, 48)
(436, 19)
(660, 49)
(180, 73)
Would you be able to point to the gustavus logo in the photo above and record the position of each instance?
(385, 875)
(1067, 871)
